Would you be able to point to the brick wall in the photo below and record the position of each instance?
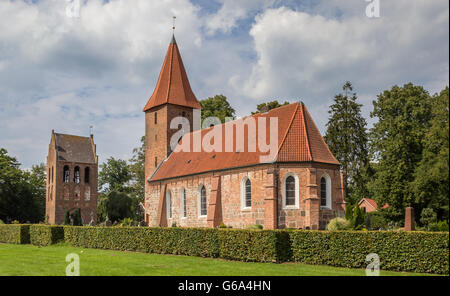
(309, 214)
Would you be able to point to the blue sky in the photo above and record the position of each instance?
(63, 73)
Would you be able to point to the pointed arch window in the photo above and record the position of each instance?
(66, 174)
(202, 201)
(246, 193)
(183, 203)
(290, 191)
(76, 175)
(325, 191)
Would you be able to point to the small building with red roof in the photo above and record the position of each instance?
(369, 205)
(297, 186)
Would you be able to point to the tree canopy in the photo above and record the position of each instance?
(397, 144)
(346, 137)
(217, 106)
(264, 107)
(22, 193)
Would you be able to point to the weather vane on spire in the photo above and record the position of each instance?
(173, 27)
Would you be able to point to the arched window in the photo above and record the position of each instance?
(76, 175)
(202, 201)
(246, 193)
(52, 174)
(183, 203)
(290, 191)
(325, 191)
(156, 117)
(86, 175)
(66, 174)
(169, 204)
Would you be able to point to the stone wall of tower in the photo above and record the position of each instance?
(67, 196)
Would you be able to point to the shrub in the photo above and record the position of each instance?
(67, 218)
(222, 225)
(398, 251)
(439, 226)
(202, 242)
(76, 216)
(254, 245)
(376, 221)
(255, 226)
(44, 235)
(338, 224)
(428, 217)
(15, 233)
(349, 212)
(1, 222)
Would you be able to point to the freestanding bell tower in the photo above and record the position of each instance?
(171, 98)
(72, 178)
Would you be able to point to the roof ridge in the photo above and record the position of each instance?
(321, 138)
(71, 135)
(288, 128)
(170, 71)
(307, 134)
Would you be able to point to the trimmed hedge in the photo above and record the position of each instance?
(202, 242)
(254, 245)
(44, 235)
(425, 252)
(15, 233)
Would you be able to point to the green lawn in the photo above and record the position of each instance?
(32, 260)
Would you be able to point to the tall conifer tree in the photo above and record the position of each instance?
(347, 138)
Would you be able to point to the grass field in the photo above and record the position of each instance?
(32, 261)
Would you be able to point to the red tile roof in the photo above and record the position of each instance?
(299, 140)
(372, 203)
(173, 85)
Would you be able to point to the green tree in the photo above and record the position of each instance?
(137, 186)
(396, 142)
(264, 107)
(347, 139)
(116, 205)
(428, 217)
(76, 217)
(431, 175)
(114, 175)
(217, 106)
(22, 193)
(67, 218)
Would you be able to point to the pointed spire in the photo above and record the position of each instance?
(173, 84)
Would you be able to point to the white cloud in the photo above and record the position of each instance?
(233, 11)
(68, 73)
(299, 53)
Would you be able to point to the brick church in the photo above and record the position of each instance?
(300, 188)
(72, 171)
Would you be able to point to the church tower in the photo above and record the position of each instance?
(172, 97)
(72, 178)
